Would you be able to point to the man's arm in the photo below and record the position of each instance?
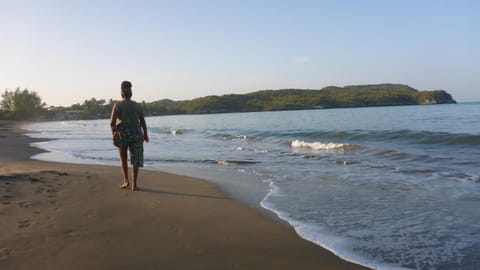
(113, 118)
(144, 127)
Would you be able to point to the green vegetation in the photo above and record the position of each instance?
(297, 99)
(21, 104)
(89, 109)
(25, 104)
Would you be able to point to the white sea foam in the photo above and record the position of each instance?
(224, 163)
(319, 145)
(175, 132)
(255, 150)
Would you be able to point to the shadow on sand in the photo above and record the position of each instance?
(161, 192)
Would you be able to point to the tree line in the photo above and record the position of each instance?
(26, 104)
(21, 104)
(299, 99)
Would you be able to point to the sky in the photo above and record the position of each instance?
(70, 51)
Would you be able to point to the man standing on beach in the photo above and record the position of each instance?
(129, 130)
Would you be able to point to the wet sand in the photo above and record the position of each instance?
(66, 216)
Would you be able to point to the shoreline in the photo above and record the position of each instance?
(61, 215)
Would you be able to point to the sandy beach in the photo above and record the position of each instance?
(65, 216)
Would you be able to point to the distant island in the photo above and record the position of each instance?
(31, 106)
(301, 99)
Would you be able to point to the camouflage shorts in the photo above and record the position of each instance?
(133, 140)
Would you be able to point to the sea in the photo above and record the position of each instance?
(385, 187)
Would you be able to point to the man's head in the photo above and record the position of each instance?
(126, 87)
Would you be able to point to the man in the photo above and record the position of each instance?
(129, 131)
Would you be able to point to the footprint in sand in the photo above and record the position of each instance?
(52, 192)
(34, 180)
(4, 252)
(25, 204)
(89, 214)
(6, 201)
(55, 172)
(51, 189)
(70, 233)
(6, 178)
(237, 266)
(177, 229)
(24, 224)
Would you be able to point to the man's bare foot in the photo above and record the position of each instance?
(125, 185)
(134, 188)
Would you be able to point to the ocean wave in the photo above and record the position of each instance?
(205, 161)
(255, 150)
(235, 137)
(405, 135)
(428, 137)
(168, 131)
(235, 162)
(334, 136)
(320, 145)
(175, 132)
(228, 163)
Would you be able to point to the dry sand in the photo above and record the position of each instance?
(64, 216)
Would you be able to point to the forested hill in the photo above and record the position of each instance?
(297, 99)
(26, 104)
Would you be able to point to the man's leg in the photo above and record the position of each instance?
(123, 161)
(135, 176)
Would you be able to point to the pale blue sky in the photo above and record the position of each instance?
(69, 51)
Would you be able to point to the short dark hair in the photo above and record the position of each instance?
(126, 89)
(126, 84)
